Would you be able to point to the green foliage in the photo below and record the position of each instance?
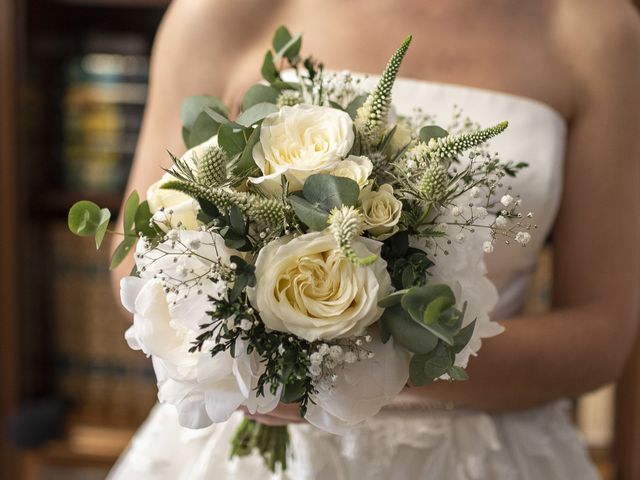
(425, 368)
(245, 277)
(427, 306)
(269, 71)
(231, 140)
(143, 220)
(285, 45)
(202, 130)
(194, 125)
(432, 131)
(87, 219)
(246, 165)
(256, 113)
(130, 209)
(406, 331)
(322, 193)
(259, 94)
(122, 250)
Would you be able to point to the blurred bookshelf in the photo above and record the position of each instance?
(77, 92)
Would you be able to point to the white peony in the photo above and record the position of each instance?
(169, 301)
(362, 388)
(173, 208)
(381, 211)
(356, 168)
(299, 141)
(307, 287)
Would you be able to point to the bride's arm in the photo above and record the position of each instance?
(584, 341)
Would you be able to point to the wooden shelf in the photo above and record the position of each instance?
(84, 447)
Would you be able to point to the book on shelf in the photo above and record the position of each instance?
(105, 91)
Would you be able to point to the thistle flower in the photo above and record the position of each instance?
(344, 224)
(371, 119)
(434, 183)
(212, 167)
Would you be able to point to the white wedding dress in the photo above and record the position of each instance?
(413, 441)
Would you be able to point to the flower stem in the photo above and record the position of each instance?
(271, 443)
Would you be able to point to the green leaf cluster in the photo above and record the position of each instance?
(87, 219)
(425, 321)
(320, 194)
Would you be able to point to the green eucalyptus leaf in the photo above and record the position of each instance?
(406, 331)
(436, 307)
(427, 367)
(193, 106)
(463, 337)
(105, 216)
(246, 164)
(122, 250)
(311, 215)
(130, 208)
(143, 220)
(458, 374)
(392, 299)
(231, 140)
(84, 218)
(280, 38)
(256, 113)
(216, 116)
(293, 392)
(259, 94)
(432, 131)
(291, 49)
(269, 70)
(236, 221)
(417, 301)
(202, 130)
(328, 192)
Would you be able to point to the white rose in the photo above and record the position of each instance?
(381, 211)
(183, 208)
(307, 287)
(299, 141)
(356, 168)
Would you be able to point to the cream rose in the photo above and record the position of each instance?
(381, 211)
(356, 168)
(307, 287)
(299, 141)
(171, 208)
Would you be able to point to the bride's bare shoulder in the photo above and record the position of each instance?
(206, 37)
(600, 42)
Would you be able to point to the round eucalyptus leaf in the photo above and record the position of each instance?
(84, 218)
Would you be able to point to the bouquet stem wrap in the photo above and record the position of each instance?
(270, 442)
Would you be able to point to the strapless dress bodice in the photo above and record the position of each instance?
(536, 135)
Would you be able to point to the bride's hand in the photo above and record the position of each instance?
(282, 415)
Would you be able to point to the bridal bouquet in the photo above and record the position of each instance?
(318, 249)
